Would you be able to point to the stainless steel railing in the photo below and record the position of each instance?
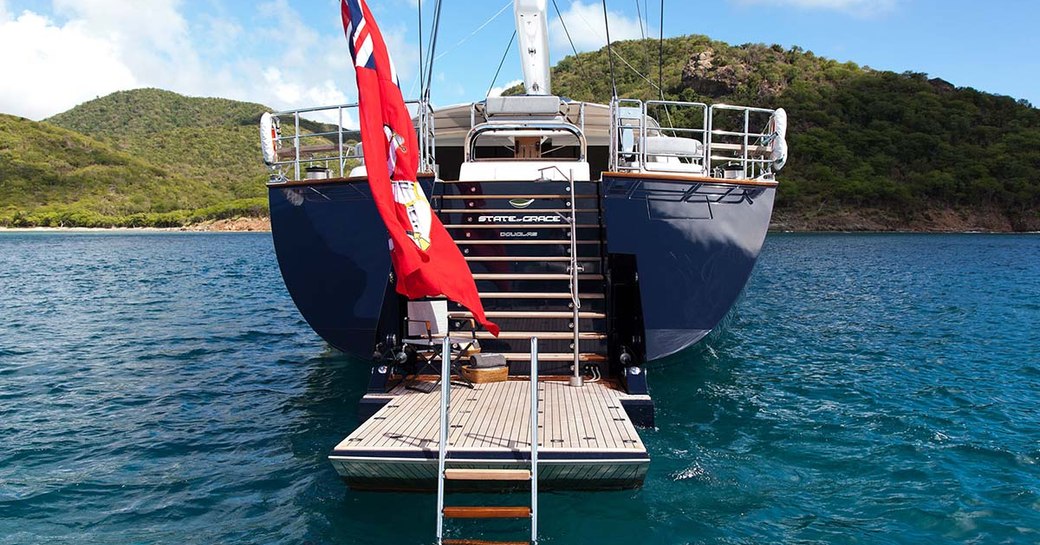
(333, 149)
(720, 141)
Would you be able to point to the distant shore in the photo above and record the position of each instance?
(235, 225)
(823, 221)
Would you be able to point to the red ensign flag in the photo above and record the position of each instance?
(426, 259)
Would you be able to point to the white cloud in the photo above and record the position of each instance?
(151, 38)
(585, 24)
(497, 91)
(55, 67)
(81, 49)
(856, 7)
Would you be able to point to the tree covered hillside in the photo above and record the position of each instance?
(210, 140)
(869, 149)
(51, 176)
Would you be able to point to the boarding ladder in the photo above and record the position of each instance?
(445, 473)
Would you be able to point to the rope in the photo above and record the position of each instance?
(639, 17)
(660, 66)
(478, 29)
(500, 63)
(433, 47)
(610, 51)
(421, 77)
(660, 55)
(577, 58)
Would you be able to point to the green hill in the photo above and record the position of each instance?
(211, 140)
(869, 149)
(54, 176)
(143, 157)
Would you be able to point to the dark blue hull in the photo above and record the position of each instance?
(681, 250)
(678, 252)
(333, 254)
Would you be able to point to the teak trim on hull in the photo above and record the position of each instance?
(698, 179)
(636, 175)
(330, 181)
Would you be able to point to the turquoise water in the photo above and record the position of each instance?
(161, 388)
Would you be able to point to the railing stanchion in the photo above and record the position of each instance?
(534, 440)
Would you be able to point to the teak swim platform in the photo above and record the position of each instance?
(586, 438)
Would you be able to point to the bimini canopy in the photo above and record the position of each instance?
(452, 123)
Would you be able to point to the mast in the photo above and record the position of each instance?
(533, 38)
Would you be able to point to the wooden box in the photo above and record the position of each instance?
(483, 376)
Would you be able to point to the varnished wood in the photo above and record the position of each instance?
(559, 356)
(511, 242)
(565, 335)
(652, 176)
(497, 512)
(334, 181)
(534, 276)
(446, 211)
(487, 474)
(537, 295)
(484, 542)
(560, 225)
(481, 196)
(528, 314)
(529, 259)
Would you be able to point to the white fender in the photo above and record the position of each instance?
(269, 134)
(778, 139)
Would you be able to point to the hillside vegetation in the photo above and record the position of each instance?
(212, 140)
(145, 157)
(869, 149)
(53, 176)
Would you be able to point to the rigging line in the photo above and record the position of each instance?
(633, 68)
(660, 66)
(421, 77)
(639, 17)
(660, 55)
(501, 62)
(610, 50)
(577, 58)
(478, 29)
(646, 13)
(433, 47)
(642, 33)
(599, 34)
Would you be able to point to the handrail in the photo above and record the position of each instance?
(339, 151)
(745, 147)
(574, 269)
(534, 439)
(534, 126)
(442, 445)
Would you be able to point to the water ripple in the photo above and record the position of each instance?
(162, 388)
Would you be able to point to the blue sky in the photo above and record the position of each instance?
(289, 54)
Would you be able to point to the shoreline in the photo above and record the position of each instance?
(235, 225)
(217, 229)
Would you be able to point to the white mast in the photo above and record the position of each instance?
(533, 37)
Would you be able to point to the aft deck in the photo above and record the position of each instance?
(586, 439)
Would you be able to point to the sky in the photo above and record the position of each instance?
(59, 53)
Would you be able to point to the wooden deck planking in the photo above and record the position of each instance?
(495, 417)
